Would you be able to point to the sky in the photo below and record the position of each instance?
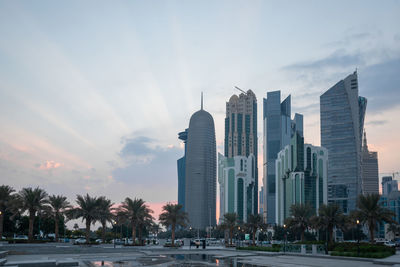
(94, 93)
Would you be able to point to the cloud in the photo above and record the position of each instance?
(377, 122)
(380, 83)
(49, 164)
(338, 59)
(158, 173)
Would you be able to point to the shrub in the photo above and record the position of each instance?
(255, 248)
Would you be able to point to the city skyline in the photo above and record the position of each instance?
(90, 101)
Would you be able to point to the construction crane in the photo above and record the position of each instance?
(240, 90)
(393, 173)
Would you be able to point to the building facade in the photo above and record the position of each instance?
(301, 177)
(388, 185)
(342, 113)
(370, 173)
(236, 178)
(200, 175)
(181, 166)
(392, 202)
(241, 132)
(279, 128)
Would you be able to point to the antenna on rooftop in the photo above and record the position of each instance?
(240, 90)
(201, 100)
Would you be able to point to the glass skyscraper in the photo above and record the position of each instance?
(279, 128)
(200, 175)
(342, 113)
(241, 133)
(181, 164)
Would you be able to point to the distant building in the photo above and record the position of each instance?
(236, 177)
(181, 164)
(342, 121)
(279, 128)
(388, 185)
(261, 201)
(392, 202)
(370, 174)
(301, 177)
(200, 183)
(241, 133)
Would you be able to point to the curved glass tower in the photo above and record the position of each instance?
(200, 195)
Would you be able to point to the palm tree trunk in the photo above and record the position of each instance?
(140, 235)
(330, 237)
(31, 220)
(87, 230)
(133, 233)
(302, 235)
(254, 238)
(371, 232)
(1, 224)
(230, 236)
(173, 234)
(103, 232)
(56, 228)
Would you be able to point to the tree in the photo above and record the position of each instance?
(144, 222)
(88, 210)
(173, 215)
(105, 214)
(6, 199)
(300, 219)
(230, 222)
(370, 213)
(132, 210)
(57, 207)
(32, 200)
(330, 216)
(254, 221)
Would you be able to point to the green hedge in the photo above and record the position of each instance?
(274, 248)
(378, 255)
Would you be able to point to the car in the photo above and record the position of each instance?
(80, 241)
(99, 241)
(21, 237)
(389, 244)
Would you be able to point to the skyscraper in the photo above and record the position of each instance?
(279, 128)
(200, 193)
(181, 164)
(342, 113)
(370, 174)
(241, 132)
(236, 177)
(388, 185)
(301, 177)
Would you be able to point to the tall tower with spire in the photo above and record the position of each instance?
(200, 171)
(369, 167)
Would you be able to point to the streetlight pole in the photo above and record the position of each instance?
(358, 238)
(115, 231)
(284, 239)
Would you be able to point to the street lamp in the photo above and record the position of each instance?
(285, 238)
(358, 238)
(115, 230)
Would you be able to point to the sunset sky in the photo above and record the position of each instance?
(94, 93)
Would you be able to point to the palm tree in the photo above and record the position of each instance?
(105, 214)
(230, 222)
(32, 200)
(330, 216)
(300, 219)
(88, 210)
(173, 215)
(145, 221)
(6, 199)
(132, 209)
(57, 207)
(254, 221)
(371, 213)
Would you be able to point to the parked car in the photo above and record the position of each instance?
(389, 244)
(99, 241)
(80, 241)
(21, 237)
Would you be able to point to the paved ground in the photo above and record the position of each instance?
(159, 256)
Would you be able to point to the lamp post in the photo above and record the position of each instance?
(284, 239)
(358, 238)
(115, 230)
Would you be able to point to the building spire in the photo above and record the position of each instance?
(201, 100)
(365, 145)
